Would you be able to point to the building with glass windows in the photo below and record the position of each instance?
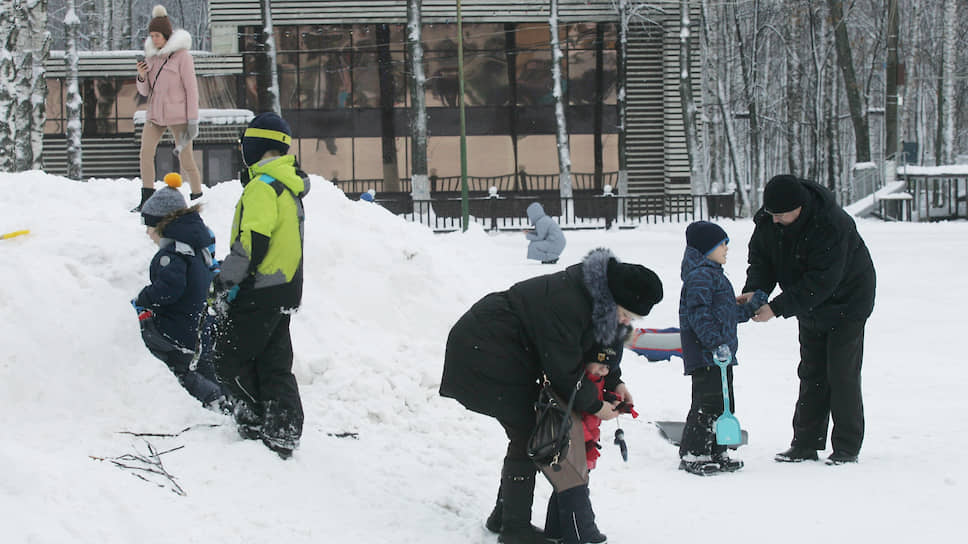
(344, 87)
(343, 78)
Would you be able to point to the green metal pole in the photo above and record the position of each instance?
(465, 219)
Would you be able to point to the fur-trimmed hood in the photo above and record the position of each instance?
(594, 269)
(180, 39)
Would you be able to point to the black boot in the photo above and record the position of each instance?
(517, 495)
(552, 528)
(146, 193)
(493, 522)
(577, 518)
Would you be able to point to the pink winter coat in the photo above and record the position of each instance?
(171, 87)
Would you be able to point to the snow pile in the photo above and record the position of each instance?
(380, 297)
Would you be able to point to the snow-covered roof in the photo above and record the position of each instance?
(943, 170)
(211, 117)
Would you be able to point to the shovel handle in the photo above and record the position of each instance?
(14, 233)
(722, 371)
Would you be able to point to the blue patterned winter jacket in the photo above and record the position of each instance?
(708, 312)
(180, 276)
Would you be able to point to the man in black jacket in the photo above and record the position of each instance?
(809, 245)
(499, 350)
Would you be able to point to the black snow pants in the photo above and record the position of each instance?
(698, 437)
(198, 379)
(829, 371)
(254, 359)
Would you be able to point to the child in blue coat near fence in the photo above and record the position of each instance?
(171, 309)
(708, 315)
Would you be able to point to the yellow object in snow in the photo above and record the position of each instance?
(14, 233)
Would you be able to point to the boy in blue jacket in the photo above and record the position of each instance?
(170, 308)
(708, 315)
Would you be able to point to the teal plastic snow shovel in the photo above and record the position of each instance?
(727, 427)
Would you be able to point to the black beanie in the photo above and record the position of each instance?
(705, 236)
(784, 193)
(266, 131)
(610, 356)
(633, 286)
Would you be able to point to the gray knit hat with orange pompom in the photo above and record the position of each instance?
(160, 22)
(164, 202)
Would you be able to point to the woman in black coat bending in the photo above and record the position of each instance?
(499, 351)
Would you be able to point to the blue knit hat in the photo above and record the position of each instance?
(266, 131)
(705, 236)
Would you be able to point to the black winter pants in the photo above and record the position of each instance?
(829, 371)
(254, 359)
(199, 381)
(698, 437)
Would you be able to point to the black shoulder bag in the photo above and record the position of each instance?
(550, 439)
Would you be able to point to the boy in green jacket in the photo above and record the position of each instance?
(261, 282)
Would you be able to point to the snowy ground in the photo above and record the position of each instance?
(380, 296)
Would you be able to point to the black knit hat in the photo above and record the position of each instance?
(160, 22)
(784, 193)
(633, 286)
(705, 236)
(610, 356)
(266, 131)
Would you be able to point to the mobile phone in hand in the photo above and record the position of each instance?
(139, 59)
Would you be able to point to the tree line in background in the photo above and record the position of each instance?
(812, 87)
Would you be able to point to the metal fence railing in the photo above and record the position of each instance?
(582, 211)
(937, 198)
(480, 185)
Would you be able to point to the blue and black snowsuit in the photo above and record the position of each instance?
(708, 315)
(180, 273)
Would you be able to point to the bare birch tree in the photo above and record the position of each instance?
(269, 90)
(564, 153)
(419, 183)
(697, 170)
(946, 109)
(72, 99)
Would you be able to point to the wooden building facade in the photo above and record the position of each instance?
(330, 55)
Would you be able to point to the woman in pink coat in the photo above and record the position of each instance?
(167, 77)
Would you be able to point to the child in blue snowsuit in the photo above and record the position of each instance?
(172, 308)
(708, 315)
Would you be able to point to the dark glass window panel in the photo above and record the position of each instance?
(250, 38)
(440, 68)
(217, 92)
(611, 35)
(534, 78)
(252, 92)
(366, 81)
(581, 36)
(581, 77)
(287, 38)
(288, 73)
(55, 107)
(485, 79)
(127, 104)
(533, 36)
(439, 37)
(483, 37)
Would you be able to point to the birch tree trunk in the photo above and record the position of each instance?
(22, 86)
(697, 180)
(622, 56)
(72, 97)
(271, 75)
(564, 154)
(419, 183)
(946, 113)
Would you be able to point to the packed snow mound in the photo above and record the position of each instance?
(380, 296)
